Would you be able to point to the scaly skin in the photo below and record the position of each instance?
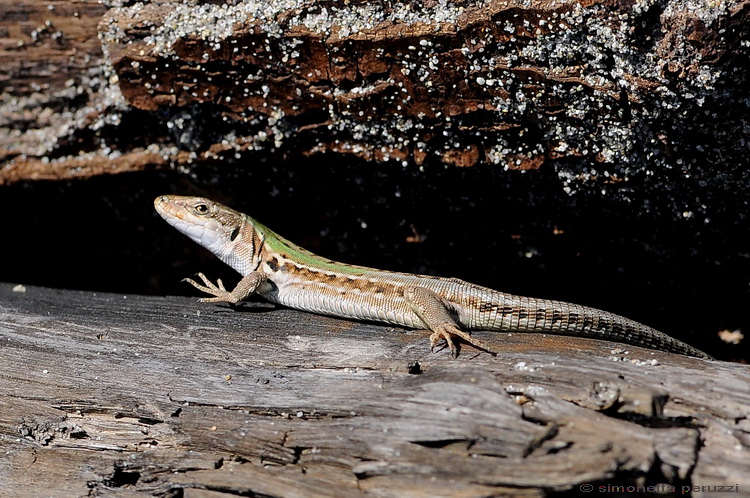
(287, 274)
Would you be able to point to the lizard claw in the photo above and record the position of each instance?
(446, 336)
(220, 293)
(448, 333)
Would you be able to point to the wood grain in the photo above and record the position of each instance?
(122, 395)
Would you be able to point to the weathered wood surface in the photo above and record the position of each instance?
(120, 395)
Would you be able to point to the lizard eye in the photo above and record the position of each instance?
(201, 208)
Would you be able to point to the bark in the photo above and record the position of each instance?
(601, 90)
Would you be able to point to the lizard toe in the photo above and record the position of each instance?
(446, 335)
(449, 333)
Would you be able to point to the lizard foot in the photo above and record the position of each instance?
(448, 333)
(221, 294)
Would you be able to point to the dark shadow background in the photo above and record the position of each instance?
(513, 231)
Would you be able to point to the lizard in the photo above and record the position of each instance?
(285, 273)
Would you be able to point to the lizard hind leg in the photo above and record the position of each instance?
(431, 309)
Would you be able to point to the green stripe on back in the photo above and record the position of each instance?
(291, 251)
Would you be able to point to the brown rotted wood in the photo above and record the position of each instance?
(92, 90)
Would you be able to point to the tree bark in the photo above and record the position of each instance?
(603, 91)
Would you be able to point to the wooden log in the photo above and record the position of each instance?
(602, 90)
(124, 395)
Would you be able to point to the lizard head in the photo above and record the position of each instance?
(225, 232)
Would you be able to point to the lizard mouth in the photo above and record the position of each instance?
(162, 205)
(206, 232)
(169, 209)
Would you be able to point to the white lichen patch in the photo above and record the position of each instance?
(215, 23)
(605, 93)
(53, 126)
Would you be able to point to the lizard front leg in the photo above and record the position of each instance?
(242, 290)
(431, 309)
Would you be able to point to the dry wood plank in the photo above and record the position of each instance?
(123, 395)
